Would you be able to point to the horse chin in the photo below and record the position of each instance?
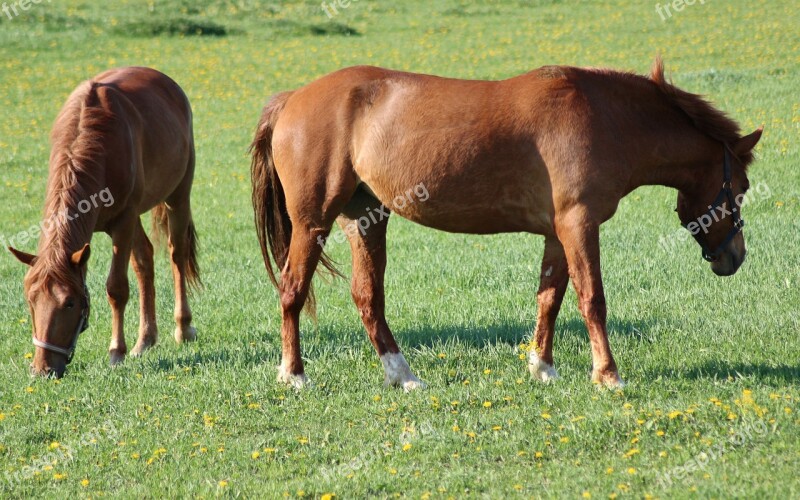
(727, 264)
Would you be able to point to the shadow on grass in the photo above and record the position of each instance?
(517, 332)
(329, 340)
(715, 370)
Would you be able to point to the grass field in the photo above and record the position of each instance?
(712, 364)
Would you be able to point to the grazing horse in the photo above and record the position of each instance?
(550, 152)
(125, 138)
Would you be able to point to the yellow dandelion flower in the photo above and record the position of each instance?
(546, 416)
(406, 446)
(586, 494)
(59, 477)
(223, 484)
(610, 470)
(631, 470)
(487, 404)
(564, 439)
(255, 455)
(538, 454)
(84, 482)
(327, 496)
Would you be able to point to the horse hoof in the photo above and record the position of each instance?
(185, 335)
(141, 347)
(541, 370)
(609, 379)
(413, 385)
(298, 381)
(115, 358)
(398, 373)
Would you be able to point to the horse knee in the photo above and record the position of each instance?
(118, 293)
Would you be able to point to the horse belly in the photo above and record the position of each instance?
(484, 200)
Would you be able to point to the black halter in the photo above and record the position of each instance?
(725, 196)
(83, 324)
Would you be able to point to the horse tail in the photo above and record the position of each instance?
(273, 225)
(160, 223)
(192, 265)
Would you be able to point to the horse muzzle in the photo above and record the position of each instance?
(728, 262)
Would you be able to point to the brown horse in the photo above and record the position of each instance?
(550, 152)
(124, 138)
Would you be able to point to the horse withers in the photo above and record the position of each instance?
(122, 145)
(550, 152)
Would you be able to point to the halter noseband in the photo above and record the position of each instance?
(725, 196)
(83, 324)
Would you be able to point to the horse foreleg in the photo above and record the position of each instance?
(369, 265)
(142, 260)
(581, 239)
(117, 287)
(553, 283)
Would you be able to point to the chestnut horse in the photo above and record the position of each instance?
(550, 152)
(124, 137)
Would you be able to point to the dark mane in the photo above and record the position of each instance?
(77, 163)
(708, 119)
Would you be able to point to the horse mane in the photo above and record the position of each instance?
(705, 117)
(76, 169)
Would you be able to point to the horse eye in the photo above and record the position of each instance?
(70, 304)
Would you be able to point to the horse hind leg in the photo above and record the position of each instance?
(365, 228)
(182, 250)
(142, 261)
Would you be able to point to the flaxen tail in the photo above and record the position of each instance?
(160, 230)
(273, 226)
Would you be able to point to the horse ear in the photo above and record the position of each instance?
(25, 258)
(748, 142)
(81, 257)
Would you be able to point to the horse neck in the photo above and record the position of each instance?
(679, 159)
(71, 212)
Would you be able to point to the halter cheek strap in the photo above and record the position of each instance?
(725, 196)
(83, 324)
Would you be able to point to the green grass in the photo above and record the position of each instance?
(706, 358)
